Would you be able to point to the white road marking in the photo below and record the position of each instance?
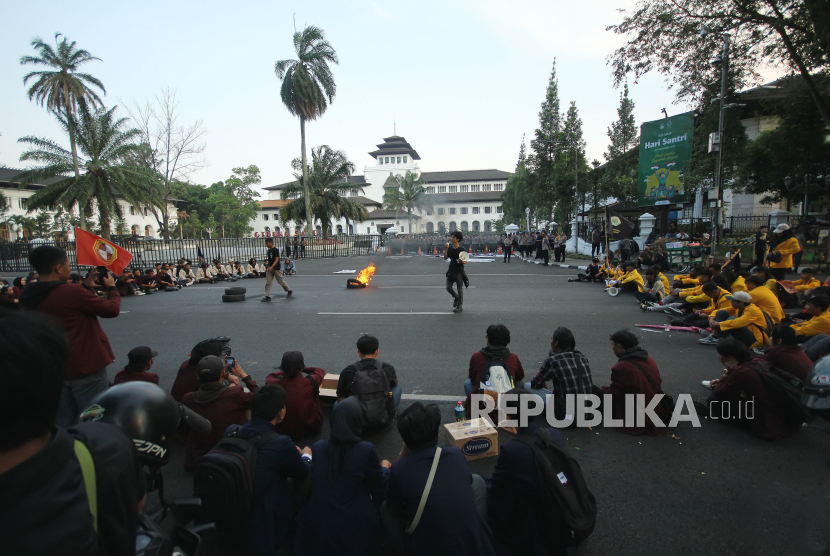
(410, 287)
(432, 398)
(412, 313)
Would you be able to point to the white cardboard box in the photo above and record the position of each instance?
(476, 438)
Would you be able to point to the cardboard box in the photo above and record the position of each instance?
(476, 438)
(328, 389)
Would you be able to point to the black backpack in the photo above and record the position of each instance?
(569, 510)
(224, 481)
(371, 387)
(787, 390)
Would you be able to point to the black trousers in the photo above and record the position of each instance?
(595, 249)
(507, 252)
(797, 260)
(643, 296)
(778, 273)
(545, 257)
(624, 255)
(455, 279)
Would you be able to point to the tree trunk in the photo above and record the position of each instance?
(308, 219)
(165, 231)
(409, 216)
(74, 147)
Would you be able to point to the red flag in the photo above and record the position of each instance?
(96, 251)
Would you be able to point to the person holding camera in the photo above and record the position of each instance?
(77, 307)
(220, 399)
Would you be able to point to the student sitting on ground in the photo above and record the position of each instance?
(807, 283)
(662, 277)
(186, 276)
(278, 460)
(689, 280)
(764, 298)
(653, 291)
(302, 384)
(748, 324)
(361, 378)
(741, 383)
(288, 267)
(786, 354)
(204, 274)
(681, 302)
(495, 352)
(736, 282)
(166, 280)
(719, 301)
(817, 307)
(515, 492)
(591, 273)
(187, 378)
(631, 281)
(608, 270)
(148, 282)
(222, 405)
(566, 368)
(139, 362)
(219, 271)
(348, 484)
(255, 270)
(454, 517)
(127, 285)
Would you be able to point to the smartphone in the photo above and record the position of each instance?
(230, 361)
(103, 272)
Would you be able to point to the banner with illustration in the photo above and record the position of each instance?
(665, 153)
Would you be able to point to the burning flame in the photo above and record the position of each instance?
(365, 275)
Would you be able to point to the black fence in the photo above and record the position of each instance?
(14, 256)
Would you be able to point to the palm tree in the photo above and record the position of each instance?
(327, 188)
(26, 224)
(62, 88)
(183, 216)
(106, 147)
(307, 85)
(411, 194)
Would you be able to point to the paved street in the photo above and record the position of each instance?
(712, 490)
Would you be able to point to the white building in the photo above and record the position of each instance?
(468, 200)
(139, 220)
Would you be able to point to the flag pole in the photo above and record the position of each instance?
(607, 243)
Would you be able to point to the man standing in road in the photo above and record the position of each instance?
(272, 270)
(455, 273)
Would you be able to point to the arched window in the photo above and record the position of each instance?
(430, 228)
(148, 230)
(453, 227)
(134, 229)
(488, 227)
(277, 229)
(267, 229)
(351, 229)
(476, 226)
(319, 230)
(339, 229)
(465, 227)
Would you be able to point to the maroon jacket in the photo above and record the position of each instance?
(186, 381)
(303, 416)
(78, 309)
(223, 406)
(479, 361)
(789, 358)
(743, 383)
(626, 378)
(135, 376)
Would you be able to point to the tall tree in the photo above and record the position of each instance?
(62, 88)
(623, 132)
(307, 86)
(618, 180)
(665, 35)
(411, 194)
(105, 143)
(327, 187)
(570, 167)
(174, 150)
(522, 161)
(546, 147)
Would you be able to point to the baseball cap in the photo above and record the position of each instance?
(210, 367)
(141, 355)
(743, 297)
(781, 228)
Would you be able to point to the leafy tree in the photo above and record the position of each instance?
(522, 161)
(618, 179)
(411, 194)
(62, 88)
(665, 35)
(307, 87)
(328, 190)
(26, 224)
(104, 143)
(571, 167)
(43, 224)
(546, 147)
(517, 195)
(241, 182)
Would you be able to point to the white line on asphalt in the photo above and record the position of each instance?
(431, 398)
(412, 313)
(410, 287)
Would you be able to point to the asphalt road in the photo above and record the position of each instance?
(708, 490)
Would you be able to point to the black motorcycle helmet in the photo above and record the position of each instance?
(148, 414)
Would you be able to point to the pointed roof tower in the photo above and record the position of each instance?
(395, 145)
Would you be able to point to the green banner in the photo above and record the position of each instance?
(665, 152)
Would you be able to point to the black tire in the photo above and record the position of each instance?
(235, 291)
(237, 297)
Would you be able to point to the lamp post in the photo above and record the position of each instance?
(527, 213)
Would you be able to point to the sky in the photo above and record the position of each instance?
(462, 81)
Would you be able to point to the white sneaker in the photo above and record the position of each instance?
(706, 383)
(138, 293)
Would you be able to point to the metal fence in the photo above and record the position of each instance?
(14, 256)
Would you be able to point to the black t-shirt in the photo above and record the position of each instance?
(456, 266)
(272, 255)
(344, 385)
(43, 503)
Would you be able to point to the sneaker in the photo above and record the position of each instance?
(709, 341)
(758, 351)
(138, 293)
(458, 309)
(288, 294)
(704, 333)
(706, 383)
(454, 303)
(266, 298)
(643, 307)
(674, 312)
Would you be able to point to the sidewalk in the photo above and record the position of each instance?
(576, 264)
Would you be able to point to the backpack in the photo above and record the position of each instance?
(376, 402)
(495, 378)
(787, 390)
(224, 480)
(569, 510)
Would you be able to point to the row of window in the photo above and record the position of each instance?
(475, 188)
(476, 210)
(276, 217)
(133, 211)
(465, 226)
(392, 159)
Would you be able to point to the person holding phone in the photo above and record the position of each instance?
(458, 257)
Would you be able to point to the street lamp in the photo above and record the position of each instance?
(527, 213)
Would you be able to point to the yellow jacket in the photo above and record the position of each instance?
(662, 278)
(752, 317)
(686, 280)
(739, 285)
(633, 276)
(787, 249)
(772, 285)
(768, 301)
(801, 285)
(816, 325)
(697, 290)
(720, 304)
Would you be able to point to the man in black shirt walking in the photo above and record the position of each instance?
(272, 270)
(455, 273)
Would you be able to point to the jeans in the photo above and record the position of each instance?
(743, 335)
(395, 525)
(459, 283)
(468, 387)
(817, 346)
(77, 395)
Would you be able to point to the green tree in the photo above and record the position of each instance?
(26, 224)
(307, 86)
(104, 144)
(570, 168)
(665, 35)
(516, 195)
(411, 194)
(618, 178)
(328, 190)
(242, 180)
(546, 146)
(43, 224)
(62, 88)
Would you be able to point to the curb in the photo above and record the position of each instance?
(559, 265)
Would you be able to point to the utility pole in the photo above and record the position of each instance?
(721, 143)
